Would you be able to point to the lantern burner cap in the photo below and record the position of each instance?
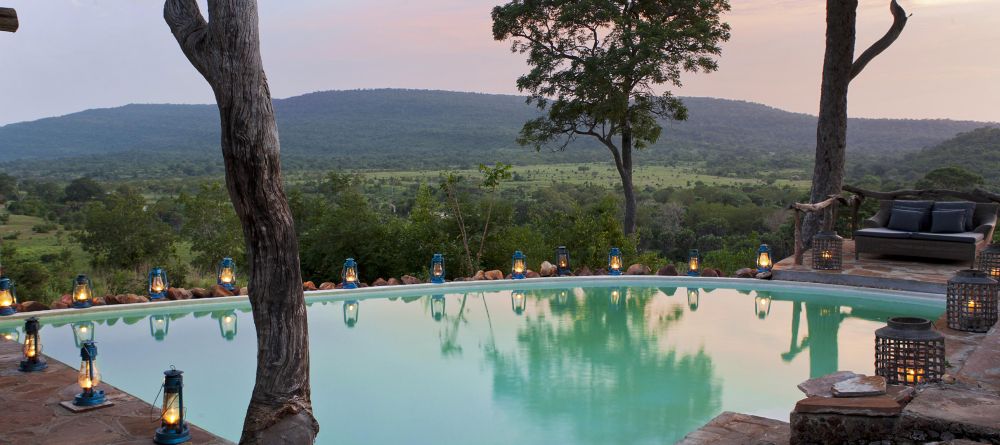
(909, 323)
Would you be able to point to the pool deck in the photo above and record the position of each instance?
(32, 413)
(882, 272)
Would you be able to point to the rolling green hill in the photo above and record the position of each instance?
(977, 151)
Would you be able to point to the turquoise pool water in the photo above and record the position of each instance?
(641, 362)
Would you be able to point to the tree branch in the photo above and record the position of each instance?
(899, 18)
(8, 20)
(191, 31)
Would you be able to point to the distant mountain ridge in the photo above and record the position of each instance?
(391, 128)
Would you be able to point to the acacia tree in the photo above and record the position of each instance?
(596, 66)
(839, 68)
(226, 51)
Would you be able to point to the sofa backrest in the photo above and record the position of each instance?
(985, 211)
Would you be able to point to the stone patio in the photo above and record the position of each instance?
(31, 414)
(883, 272)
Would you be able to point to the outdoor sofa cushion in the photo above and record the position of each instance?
(948, 221)
(969, 207)
(924, 207)
(906, 220)
(883, 233)
(964, 237)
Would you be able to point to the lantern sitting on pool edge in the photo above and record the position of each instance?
(32, 348)
(349, 274)
(83, 292)
(972, 301)
(562, 261)
(173, 427)
(828, 251)
(159, 326)
(437, 307)
(518, 301)
(908, 351)
(351, 308)
(83, 331)
(8, 296)
(227, 274)
(158, 283)
(764, 261)
(437, 269)
(517, 265)
(615, 261)
(89, 377)
(694, 263)
(989, 261)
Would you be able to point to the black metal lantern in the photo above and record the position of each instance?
(32, 350)
(83, 292)
(173, 426)
(972, 301)
(437, 269)
(159, 325)
(89, 377)
(157, 283)
(693, 297)
(828, 251)
(437, 307)
(989, 261)
(83, 331)
(228, 324)
(694, 263)
(908, 351)
(351, 308)
(562, 261)
(8, 296)
(518, 301)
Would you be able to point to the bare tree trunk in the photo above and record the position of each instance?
(624, 164)
(226, 51)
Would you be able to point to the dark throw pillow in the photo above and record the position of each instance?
(948, 221)
(905, 220)
(968, 207)
(923, 206)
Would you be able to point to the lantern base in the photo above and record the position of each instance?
(172, 436)
(614, 272)
(8, 310)
(517, 276)
(158, 296)
(228, 286)
(693, 274)
(82, 304)
(564, 272)
(437, 280)
(32, 366)
(763, 269)
(95, 397)
(350, 286)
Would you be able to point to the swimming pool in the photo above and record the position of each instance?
(572, 360)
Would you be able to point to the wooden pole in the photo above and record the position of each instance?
(798, 238)
(8, 20)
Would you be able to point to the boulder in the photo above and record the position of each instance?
(98, 301)
(32, 306)
(362, 284)
(601, 271)
(547, 269)
(860, 386)
(112, 299)
(763, 276)
(393, 282)
(409, 279)
(132, 299)
(59, 305)
(493, 275)
(326, 285)
(583, 272)
(668, 271)
(745, 272)
(178, 293)
(308, 286)
(719, 273)
(479, 276)
(219, 291)
(200, 293)
(66, 299)
(709, 273)
(531, 274)
(637, 269)
(377, 282)
(244, 291)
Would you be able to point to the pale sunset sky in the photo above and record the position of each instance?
(71, 55)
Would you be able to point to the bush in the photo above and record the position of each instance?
(44, 227)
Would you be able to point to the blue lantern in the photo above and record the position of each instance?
(227, 324)
(764, 261)
(83, 292)
(158, 326)
(173, 427)
(83, 331)
(693, 297)
(562, 261)
(8, 296)
(694, 263)
(158, 283)
(32, 350)
(437, 269)
(89, 377)
(227, 274)
(351, 312)
(615, 261)
(518, 301)
(349, 275)
(518, 267)
(437, 307)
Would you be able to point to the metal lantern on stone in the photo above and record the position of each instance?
(173, 426)
(228, 325)
(89, 377)
(159, 326)
(83, 331)
(828, 251)
(764, 260)
(437, 307)
(972, 301)
(227, 274)
(437, 269)
(562, 261)
(349, 274)
(989, 261)
(908, 351)
(518, 301)
(351, 308)
(615, 261)
(158, 283)
(8, 297)
(83, 292)
(32, 359)
(694, 263)
(693, 297)
(518, 265)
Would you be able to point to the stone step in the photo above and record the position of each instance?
(983, 364)
(731, 428)
(946, 412)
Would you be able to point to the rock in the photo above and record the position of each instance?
(531, 274)
(601, 271)
(547, 269)
(900, 393)
(378, 282)
(669, 271)
(219, 291)
(947, 379)
(860, 386)
(763, 276)
(508, 276)
(309, 286)
(583, 272)
(821, 386)
(493, 275)
(745, 272)
(132, 299)
(59, 305)
(178, 293)
(637, 269)
(479, 276)
(67, 299)
(98, 301)
(200, 293)
(244, 291)
(326, 285)
(875, 406)
(112, 299)
(409, 279)
(393, 282)
(719, 273)
(32, 306)
(362, 285)
(709, 273)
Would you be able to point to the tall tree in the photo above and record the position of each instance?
(596, 66)
(839, 68)
(226, 51)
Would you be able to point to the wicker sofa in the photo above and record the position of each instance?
(876, 237)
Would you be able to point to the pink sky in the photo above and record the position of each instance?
(72, 55)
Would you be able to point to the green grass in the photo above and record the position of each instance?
(34, 244)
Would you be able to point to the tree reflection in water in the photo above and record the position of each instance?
(601, 371)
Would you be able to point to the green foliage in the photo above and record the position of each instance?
(950, 178)
(83, 190)
(119, 232)
(211, 226)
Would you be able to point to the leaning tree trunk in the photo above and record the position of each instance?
(839, 68)
(624, 165)
(226, 51)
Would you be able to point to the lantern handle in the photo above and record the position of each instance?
(152, 406)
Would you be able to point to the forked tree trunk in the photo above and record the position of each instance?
(226, 51)
(624, 166)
